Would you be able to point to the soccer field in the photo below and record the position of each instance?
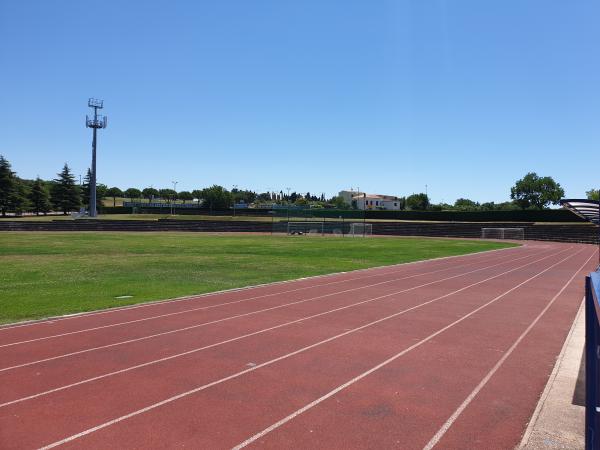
(47, 274)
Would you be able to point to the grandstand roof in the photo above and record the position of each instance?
(588, 209)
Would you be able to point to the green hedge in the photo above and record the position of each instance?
(114, 210)
(548, 215)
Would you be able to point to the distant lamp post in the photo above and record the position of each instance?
(174, 194)
(94, 123)
(364, 212)
(234, 190)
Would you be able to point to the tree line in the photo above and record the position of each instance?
(63, 194)
(18, 195)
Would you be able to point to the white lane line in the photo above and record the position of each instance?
(285, 305)
(265, 330)
(85, 330)
(550, 383)
(202, 308)
(280, 358)
(446, 426)
(193, 297)
(387, 361)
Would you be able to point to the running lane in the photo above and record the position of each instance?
(158, 311)
(249, 377)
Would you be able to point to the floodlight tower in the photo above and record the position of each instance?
(94, 123)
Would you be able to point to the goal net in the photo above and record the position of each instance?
(301, 228)
(503, 233)
(361, 229)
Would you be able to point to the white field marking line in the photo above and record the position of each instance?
(164, 333)
(192, 297)
(446, 426)
(302, 319)
(202, 308)
(389, 360)
(288, 355)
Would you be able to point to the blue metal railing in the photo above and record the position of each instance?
(592, 361)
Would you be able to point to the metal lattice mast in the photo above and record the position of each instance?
(94, 123)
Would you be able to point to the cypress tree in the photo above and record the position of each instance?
(7, 186)
(65, 193)
(19, 198)
(85, 189)
(39, 197)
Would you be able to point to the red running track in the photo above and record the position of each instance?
(447, 353)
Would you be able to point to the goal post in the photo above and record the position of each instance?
(359, 229)
(503, 233)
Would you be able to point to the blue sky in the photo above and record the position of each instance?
(465, 96)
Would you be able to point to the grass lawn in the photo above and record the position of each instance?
(47, 274)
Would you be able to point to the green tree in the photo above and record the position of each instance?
(266, 197)
(402, 202)
(244, 196)
(442, 207)
(216, 197)
(185, 195)
(533, 191)
(114, 192)
(465, 204)
(132, 193)
(85, 188)
(65, 194)
(150, 193)
(19, 200)
(101, 189)
(419, 202)
(8, 183)
(39, 197)
(339, 202)
(197, 194)
(167, 194)
(592, 194)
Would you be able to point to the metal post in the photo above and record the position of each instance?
(93, 212)
(233, 196)
(364, 213)
(591, 368)
(173, 199)
(94, 123)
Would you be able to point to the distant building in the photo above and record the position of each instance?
(349, 195)
(361, 200)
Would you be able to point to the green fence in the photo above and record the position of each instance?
(549, 215)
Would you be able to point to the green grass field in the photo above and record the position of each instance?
(47, 274)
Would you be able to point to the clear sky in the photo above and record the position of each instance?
(465, 96)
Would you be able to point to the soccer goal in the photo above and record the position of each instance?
(503, 233)
(302, 228)
(361, 229)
